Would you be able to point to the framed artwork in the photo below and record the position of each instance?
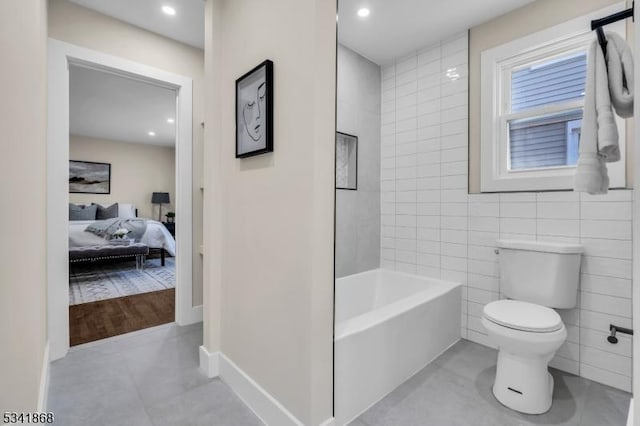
(254, 111)
(87, 177)
(346, 161)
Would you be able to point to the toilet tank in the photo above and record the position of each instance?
(540, 272)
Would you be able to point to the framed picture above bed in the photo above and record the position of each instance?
(87, 177)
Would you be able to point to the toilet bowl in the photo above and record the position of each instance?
(527, 336)
(535, 276)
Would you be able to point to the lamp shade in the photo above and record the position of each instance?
(160, 198)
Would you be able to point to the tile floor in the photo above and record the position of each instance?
(145, 378)
(151, 378)
(455, 390)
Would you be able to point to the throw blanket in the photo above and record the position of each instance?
(107, 228)
(599, 136)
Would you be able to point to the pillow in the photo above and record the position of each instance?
(78, 212)
(126, 211)
(104, 213)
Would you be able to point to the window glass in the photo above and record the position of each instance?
(550, 82)
(545, 141)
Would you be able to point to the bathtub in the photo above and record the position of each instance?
(389, 325)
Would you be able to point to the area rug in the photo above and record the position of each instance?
(90, 282)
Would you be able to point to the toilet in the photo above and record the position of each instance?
(534, 277)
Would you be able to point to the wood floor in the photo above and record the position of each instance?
(112, 317)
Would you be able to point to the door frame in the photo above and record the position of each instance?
(634, 406)
(60, 56)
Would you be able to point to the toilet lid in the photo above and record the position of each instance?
(523, 316)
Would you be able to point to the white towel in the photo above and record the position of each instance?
(599, 134)
(597, 126)
(620, 66)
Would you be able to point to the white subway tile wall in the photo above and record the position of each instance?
(431, 225)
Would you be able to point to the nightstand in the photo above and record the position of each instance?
(171, 227)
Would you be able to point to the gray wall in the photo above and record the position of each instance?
(358, 212)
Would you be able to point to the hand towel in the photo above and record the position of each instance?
(620, 79)
(620, 70)
(598, 127)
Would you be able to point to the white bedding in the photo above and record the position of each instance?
(155, 236)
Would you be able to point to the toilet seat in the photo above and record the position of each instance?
(523, 316)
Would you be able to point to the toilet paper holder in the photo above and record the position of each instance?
(614, 329)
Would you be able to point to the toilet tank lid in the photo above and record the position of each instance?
(544, 246)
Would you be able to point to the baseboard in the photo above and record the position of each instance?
(191, 316)
(43, 390)
(209, 362)
(265, 406)
(329, 422)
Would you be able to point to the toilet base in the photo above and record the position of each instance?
(523, 384)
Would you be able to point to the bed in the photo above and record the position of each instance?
(92, 229)
(156, 236)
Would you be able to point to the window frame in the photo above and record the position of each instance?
(497, 65)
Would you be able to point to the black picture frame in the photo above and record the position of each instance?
(89, 177)
(258, 139)
(354, 139)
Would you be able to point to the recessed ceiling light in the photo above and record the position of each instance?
(151, 133)
(170, 120)
(168, 10)
(364, 12)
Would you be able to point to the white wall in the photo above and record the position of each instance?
(358, 212)
(212, 193)
(83, 27)
(137, 170)
(431, 226)
(273, 291)
(23, 125)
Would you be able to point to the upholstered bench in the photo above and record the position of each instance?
(109, 251)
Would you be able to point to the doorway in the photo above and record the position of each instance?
(121, 196)
(62, 56)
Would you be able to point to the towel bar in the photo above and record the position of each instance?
(614, 329)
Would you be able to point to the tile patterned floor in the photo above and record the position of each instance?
(456, 390)
(146, 378)
(151, 378)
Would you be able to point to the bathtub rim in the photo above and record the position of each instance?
(363, 322)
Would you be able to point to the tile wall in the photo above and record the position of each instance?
(431, 226)
(358, 212)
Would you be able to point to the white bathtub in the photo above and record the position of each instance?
(389, 325)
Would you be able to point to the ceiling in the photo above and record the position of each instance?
(186, 26)
(107, 106)
(398, 27)
(394, 28)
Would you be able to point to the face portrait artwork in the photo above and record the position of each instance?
(251, 114)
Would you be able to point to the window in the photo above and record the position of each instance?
(532, 95)
(543, 139)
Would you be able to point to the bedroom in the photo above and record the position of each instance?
(122, 190)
